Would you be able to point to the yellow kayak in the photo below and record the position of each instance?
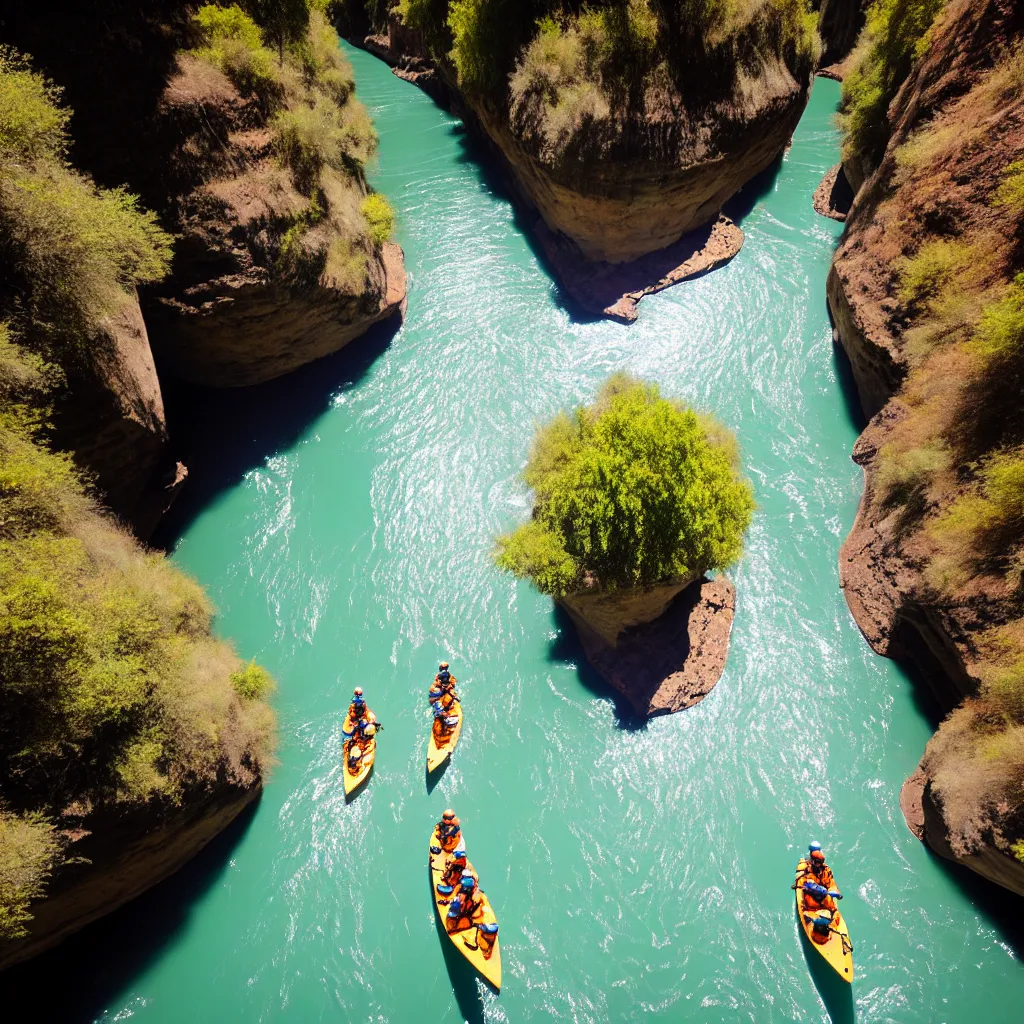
(438, 753)
(465, 941)
(354, 779)
(838, 951)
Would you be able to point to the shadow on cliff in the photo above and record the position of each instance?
(77, 980)
(567, 648)
(222, 434)
(847, 384)
(1000, 907)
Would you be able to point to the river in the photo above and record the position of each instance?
(640, 872)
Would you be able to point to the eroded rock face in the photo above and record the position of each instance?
(881, 561)
(662, 648)
(229, 316)
(112, 416)
(598, 214)
(126, 855)
(923, 813)
(617, 206)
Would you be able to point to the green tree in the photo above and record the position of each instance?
(633, 490)
(284, 21)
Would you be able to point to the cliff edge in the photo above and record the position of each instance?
(926, 304)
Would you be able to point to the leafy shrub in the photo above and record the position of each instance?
(1000, 335)
(233, 42)
(894, 35)
(28, 849)
(32, 124)
(323, 64)
(309, 139)
(631, 491)
(253, 682)
(73, 251)
(902, 474)
(379, 215)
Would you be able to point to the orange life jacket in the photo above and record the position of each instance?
(454, 871)
(448, 834)
(470, 904)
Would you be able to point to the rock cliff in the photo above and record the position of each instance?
(663, 648)
(123, 855)
(955, 126)
(839, 22)
(229, 315)
(647, 181)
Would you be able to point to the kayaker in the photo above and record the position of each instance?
(821, 925)
(486, 937)
(355, 755)
(467, 904)
(817, 897)
(458, 866)
(449, 830)
(445, 718)
(814, 868)
(358, 706)
(444, 682)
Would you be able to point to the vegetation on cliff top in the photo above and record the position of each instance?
(633, 490)
(566, 71)
(113, 688)
(895, 35)
(947, 230)
(322, 135)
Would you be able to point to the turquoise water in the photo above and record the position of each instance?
(639, 873)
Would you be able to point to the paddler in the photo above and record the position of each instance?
(445, 718)
(458, 866)
(816, 880)
(444, 683)
(358, 713)
(466, 905)
(449, 831)
(486, 937)
(821, 925)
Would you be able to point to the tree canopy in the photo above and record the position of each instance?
(633, 490)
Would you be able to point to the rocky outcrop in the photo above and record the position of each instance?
(663, 648)
(239, 309)
(833, 196)
(922, 811)
(636, 214)
(617, 206)
(883, 559)
(121, 856)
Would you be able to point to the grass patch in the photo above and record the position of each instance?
(935, 265)
(631, 491)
